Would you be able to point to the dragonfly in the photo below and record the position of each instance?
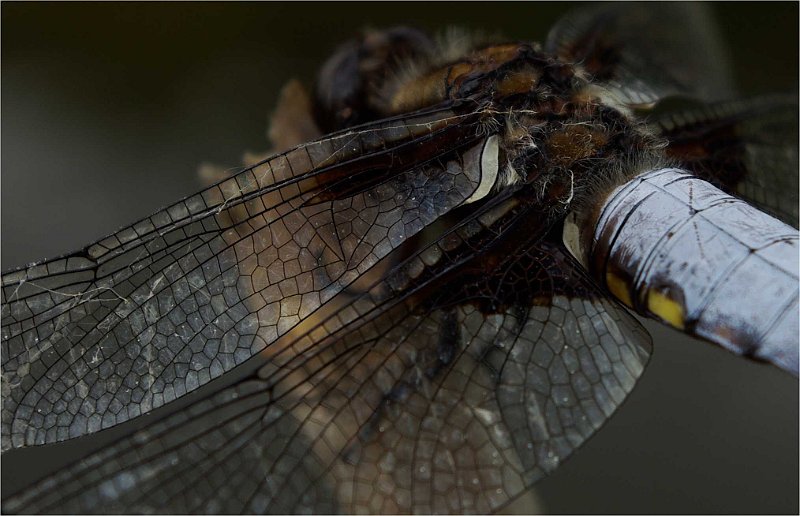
(396, 394)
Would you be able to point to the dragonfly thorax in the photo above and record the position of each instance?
(566, 147)
(562, 137)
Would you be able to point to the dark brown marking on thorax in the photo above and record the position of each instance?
(450, 81)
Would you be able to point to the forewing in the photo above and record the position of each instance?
(747, 148)
(635, 49)
(159, 308)
(440, 389)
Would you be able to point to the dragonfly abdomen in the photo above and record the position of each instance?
(673, 246)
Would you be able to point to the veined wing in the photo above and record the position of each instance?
(454, 383)
(634, 48)
(747, 148)
(159, 308)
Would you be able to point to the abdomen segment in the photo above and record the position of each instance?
(676, 248)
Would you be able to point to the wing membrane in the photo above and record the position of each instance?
(159, 308)
(747, 148)
(440, 389)
(633, 47)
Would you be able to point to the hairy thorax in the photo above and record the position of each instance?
(563, 141)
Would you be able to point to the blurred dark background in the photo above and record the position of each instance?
(108, 109)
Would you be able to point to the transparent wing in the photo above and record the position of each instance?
(634, 48)
(443, 388)
(747, 148)
(159, 308)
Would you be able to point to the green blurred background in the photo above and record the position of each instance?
(107, 110)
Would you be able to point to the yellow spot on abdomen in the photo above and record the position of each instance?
(619, 288)
(665, 308)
